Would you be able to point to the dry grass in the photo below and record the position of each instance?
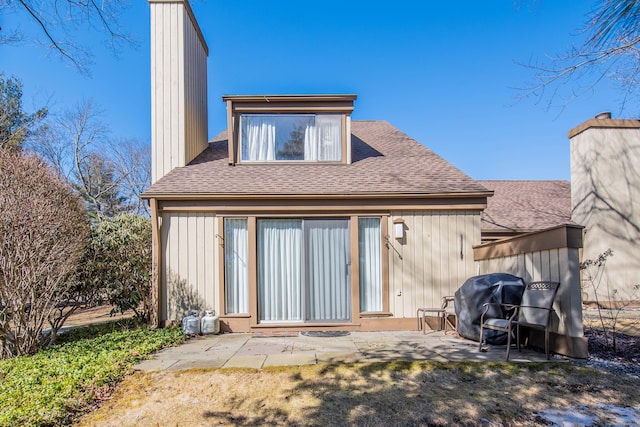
(378, 394)
(626, 323)
(95, 315)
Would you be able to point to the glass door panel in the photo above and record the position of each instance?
(327, 275)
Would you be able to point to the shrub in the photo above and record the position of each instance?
(118, 261)
(43, 230)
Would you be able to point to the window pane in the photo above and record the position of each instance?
(291, 137)
(323, 140)
(327, 259)
(235, 265)
(370, 248)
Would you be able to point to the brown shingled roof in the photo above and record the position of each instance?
(384, 160)
(525, 206)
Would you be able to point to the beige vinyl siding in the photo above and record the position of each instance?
(189, 279)
(605, 195)
(431, 265)
(178, 88)
(195, 88)
(553, 264)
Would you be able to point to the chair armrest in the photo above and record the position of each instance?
(486, 306)
(538, 308)
(432, 310)
(446, 300)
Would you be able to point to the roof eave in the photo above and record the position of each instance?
(218, 196)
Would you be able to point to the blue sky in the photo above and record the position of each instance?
(445, 73)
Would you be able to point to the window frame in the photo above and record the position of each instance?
(287, 104)
(252, 235)
(225, 268)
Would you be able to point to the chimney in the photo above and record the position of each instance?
(179, 53)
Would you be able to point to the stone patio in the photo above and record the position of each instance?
(245, 350)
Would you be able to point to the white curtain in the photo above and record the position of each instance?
(280, 270)
(370, 248)
(259, 138)
(323, 140)
(327, 259)
(236, 271)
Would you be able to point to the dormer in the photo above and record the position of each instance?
(289, 128)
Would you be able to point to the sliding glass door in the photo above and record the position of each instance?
(327, 259)
(303, 270)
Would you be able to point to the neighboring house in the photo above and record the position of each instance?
(296, 217)
(520, 207)
(605, 193)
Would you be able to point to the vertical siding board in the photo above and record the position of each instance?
(433, 255)
(554, 265)
(189, 262)
(558, 264)
(415, 271)
(154, 52)
(445, 253)
(419, 297)
(429, 261)
(546, 265)
(395, 272)
(165, 257)
(211, 265)
(179, 95)
(461, 268)
(431, 266)
(445, 241)
(178, 85)
(165, 83)
(201, 253)
(407, 250)
(536, 260)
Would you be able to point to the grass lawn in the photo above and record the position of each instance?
(92, 368)
(373, 394)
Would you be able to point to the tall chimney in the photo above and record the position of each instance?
(179, 53)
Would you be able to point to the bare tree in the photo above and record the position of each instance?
(132, 159)
(43, 232)
(110, 174)
(62, 23)
(611, 50)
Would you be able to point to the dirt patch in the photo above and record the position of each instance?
(95, 315)
(623, 360)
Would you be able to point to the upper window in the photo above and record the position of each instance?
(289, 128)
(291, 137)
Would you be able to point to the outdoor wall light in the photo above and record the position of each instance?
(398, 228)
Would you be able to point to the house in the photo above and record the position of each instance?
(605, 196)
(296, 217)
(521, 207)
(299, 218)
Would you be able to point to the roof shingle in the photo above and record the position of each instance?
(526, 205)
(384, 160)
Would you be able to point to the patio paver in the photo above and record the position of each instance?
(244, 350)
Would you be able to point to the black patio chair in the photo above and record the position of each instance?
(533, 312)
